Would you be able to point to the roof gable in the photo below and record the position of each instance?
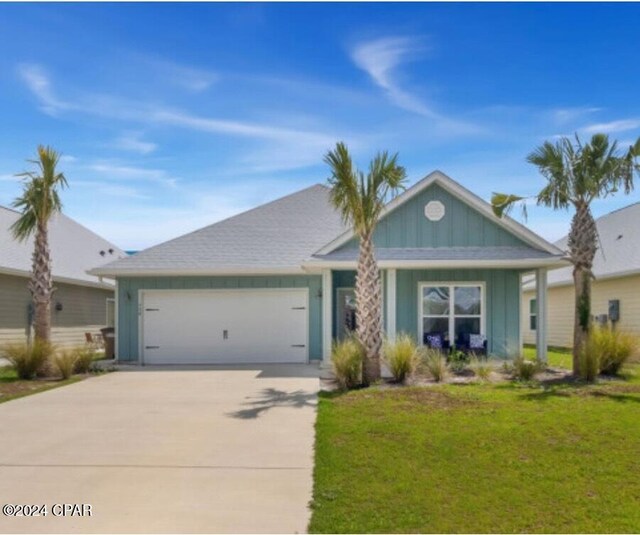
(74, 250)
(618, 252)
(468, 221)
(275, 237)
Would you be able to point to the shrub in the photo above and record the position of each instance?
(609, 349)
(589, 362)
(65, 362)
(458, 360)
(28, 359)
(434, 363)
(481, 368)
(524, 369)
(347, 357)
(401, 356)
(85, 355)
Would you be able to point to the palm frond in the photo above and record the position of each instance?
(40, 198)
(503, 204)
(360, 198)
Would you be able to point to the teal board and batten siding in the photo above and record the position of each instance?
(128, 288)
(502, 303)
(461, 226)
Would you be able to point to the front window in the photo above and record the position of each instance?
(533, 315)
(452, 310)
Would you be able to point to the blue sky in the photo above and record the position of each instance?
(174, 116)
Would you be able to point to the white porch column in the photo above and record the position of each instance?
(541, 304)
(391, 304)
(327, 324)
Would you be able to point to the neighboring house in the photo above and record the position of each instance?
(275, 284)
(81, 302)
(617, 279)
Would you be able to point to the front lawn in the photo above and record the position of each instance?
(479, 458)
(11, 387)
(558, 358)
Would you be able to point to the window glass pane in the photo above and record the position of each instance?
(465, 326)
(436, 325)
(466, 300)
(435, 301)
(533, 306)
(533, 323)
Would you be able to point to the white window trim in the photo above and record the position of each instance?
(533, 314)
(340, 293)
(111, 301)
(452, 316)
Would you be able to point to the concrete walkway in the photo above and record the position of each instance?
(165, 450)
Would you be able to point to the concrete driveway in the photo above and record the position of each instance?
(164, 450)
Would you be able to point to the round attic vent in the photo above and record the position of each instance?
(434, 211)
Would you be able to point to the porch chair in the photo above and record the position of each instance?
(472, 343)
(437, 340)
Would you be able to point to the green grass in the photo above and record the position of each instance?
(557, 357)
(479, 458)
(11, 387)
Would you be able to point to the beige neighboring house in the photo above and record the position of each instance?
(617, 279)
(81, 303)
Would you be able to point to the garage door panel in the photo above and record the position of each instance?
(239, 326)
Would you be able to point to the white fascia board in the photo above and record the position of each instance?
(437, 264)
(225, 271)
(530, 286)
(61, 280)
(464, 195)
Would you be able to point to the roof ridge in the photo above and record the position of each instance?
(617, 210)
(202, 229)
(9, 209)
(87, 229)
(601, 218)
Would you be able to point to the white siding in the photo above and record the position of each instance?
(561, 307)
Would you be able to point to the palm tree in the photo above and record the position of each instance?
(577, 174)
(38, 202)
(360, 199)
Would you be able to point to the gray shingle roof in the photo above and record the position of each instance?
(74, 249)
(619, 247)
(443, 253)
(276, 236)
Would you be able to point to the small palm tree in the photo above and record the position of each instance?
(38, 202)
(360, 199)
(577, 174)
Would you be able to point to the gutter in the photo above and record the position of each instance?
(555, 262)
(204, 272)
(569, 282)
(61, 280)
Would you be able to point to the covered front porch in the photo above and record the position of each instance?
(451, 303)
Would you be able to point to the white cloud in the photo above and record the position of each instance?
(110, 189)
(132, 141)
(39, 84)
(126, 172)
(622, 125)
(380, 58)
(563, 116)
(193, 79)
(237, 128)
(142, 112)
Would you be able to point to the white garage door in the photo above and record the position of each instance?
(224, 326)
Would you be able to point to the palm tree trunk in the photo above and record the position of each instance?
(582, 320)
(582, 246)
(369, 310)
(40, 285)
